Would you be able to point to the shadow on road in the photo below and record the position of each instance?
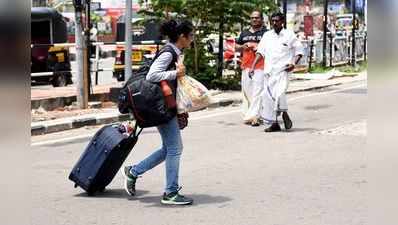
(199, 199)
(227, 123)
(297, 129)
(356, 91)
(153, 201)
(112, 193)
(317, 107)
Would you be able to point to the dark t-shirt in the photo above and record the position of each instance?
(249, 55)
(247, 36)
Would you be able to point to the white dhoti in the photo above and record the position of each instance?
(279, 49)
(274, 95)
(252, 91)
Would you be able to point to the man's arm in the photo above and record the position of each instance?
(290, 67)
(239, 47)
(297, 59)
(260, 52)
(258, 57)
(298, 51)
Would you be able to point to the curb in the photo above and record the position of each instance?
(224, 102)
(40, 128)
(314, 88)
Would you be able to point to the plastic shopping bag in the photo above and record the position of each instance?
(191, 95)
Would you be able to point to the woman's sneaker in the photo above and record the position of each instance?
(129, 181)
(175, 199)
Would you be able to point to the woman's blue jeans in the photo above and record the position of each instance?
(170, 151)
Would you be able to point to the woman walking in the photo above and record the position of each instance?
(165, 67)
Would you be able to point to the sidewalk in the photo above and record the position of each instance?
(53, 98)
(57, 97)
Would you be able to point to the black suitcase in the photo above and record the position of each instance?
(102, 158)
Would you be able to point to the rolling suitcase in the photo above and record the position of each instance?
(102, 158)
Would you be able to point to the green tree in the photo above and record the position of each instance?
(163, 9)
(221, 16)
(208, 17)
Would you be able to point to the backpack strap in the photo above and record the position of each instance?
(167, 48)
(145, 67)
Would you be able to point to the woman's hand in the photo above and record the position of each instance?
(180, 69)
(182, 120)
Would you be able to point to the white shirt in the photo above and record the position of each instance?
(279, 50)
(158, 70)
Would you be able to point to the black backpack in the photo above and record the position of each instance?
(144, 99)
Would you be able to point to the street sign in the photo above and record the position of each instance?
(308, 26)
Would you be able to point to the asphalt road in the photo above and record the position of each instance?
(313, 175)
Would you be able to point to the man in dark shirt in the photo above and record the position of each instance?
(252, 87)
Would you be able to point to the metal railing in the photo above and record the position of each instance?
(95, 62)
(338, 50)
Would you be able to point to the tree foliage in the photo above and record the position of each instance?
(206, 16)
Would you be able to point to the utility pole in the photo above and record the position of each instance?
(325, 26)
(285, 12)
(366, 12)
(354, 12)
(129, 40)
(82, 91)
(220, 47)
(88, 45)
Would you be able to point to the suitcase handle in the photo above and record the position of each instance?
(134, 134)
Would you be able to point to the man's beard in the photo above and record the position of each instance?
(278, 29)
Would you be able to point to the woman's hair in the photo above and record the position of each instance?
(174, 29)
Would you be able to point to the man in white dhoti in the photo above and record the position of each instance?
(252, 87)
(282, 51)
